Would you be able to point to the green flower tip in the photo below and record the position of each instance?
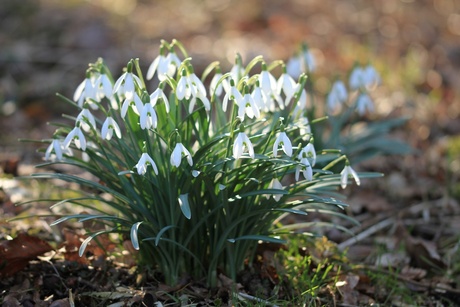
(129, 67)
(264, 66)
(238, 59)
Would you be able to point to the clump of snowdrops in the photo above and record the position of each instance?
(196, 176)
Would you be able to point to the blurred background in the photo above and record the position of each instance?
(45, 46)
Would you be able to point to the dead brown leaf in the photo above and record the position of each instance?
(346, 286)
(15, 254)
(97, 247)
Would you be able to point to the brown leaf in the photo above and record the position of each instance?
(97, 247)
(346, 286)
(15, 254)
(424, 253)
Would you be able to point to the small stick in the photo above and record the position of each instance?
(366, 233)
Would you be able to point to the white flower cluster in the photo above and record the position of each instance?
(251, 95)
(362, 80)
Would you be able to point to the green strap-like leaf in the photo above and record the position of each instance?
(133, 235)
(258, 238)
(185, 206)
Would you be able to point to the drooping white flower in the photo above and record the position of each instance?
(294, 66)
(232, 93)
(179, 152)
(371, 76)
(77, 136)
(184, 87)
(85, 120)
(275, 184)
(303, 100)
(55, 146)
(85, 92)
(109, 127)
(364, 104)
(267, 81)
(309, 152)
(214, 88)
(283, 140)
(103, 87)
(199, 87)
(173, 63)
(159, 94)
(304, 167)
(134, 102)
(237, 71)
(242, 142)
(148, 118)
(126, 85)
(309, 62)
(259, 97)
(203, 99)
(366, 77)
(286, 85)
(303, 62)
(247, 106)
(337, 96)
(144, 162)
(160, 64)
(347, 172)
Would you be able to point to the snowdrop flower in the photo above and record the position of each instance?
(85, 120)
(103, 87)
(247, 106)
(303, 62)
(134, 102)
(303, 167)
(85, 92)
(347, 172)
(184, 88)
(203, 99)
(259, 97)
(309, 152)
(109, 127)
(173, 63)
(190, 86)
(371, 76)
(285, 143)
(237, 71)
(364, 78)
(337, 96)
(78, 137)
(148, 118)
(232, 93)
(126, 84)
(144, 162)
(213, 87)
(177, 154)
(196, 82)
(165, 66)
(159, 94)
(275, 184)
(159, 63)
(267, 81)
(356, 78)
(304, 127)
(302, 98)
(287, 85)
(364, 103)
(294, 66)
(241, 142)
(55, 146)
